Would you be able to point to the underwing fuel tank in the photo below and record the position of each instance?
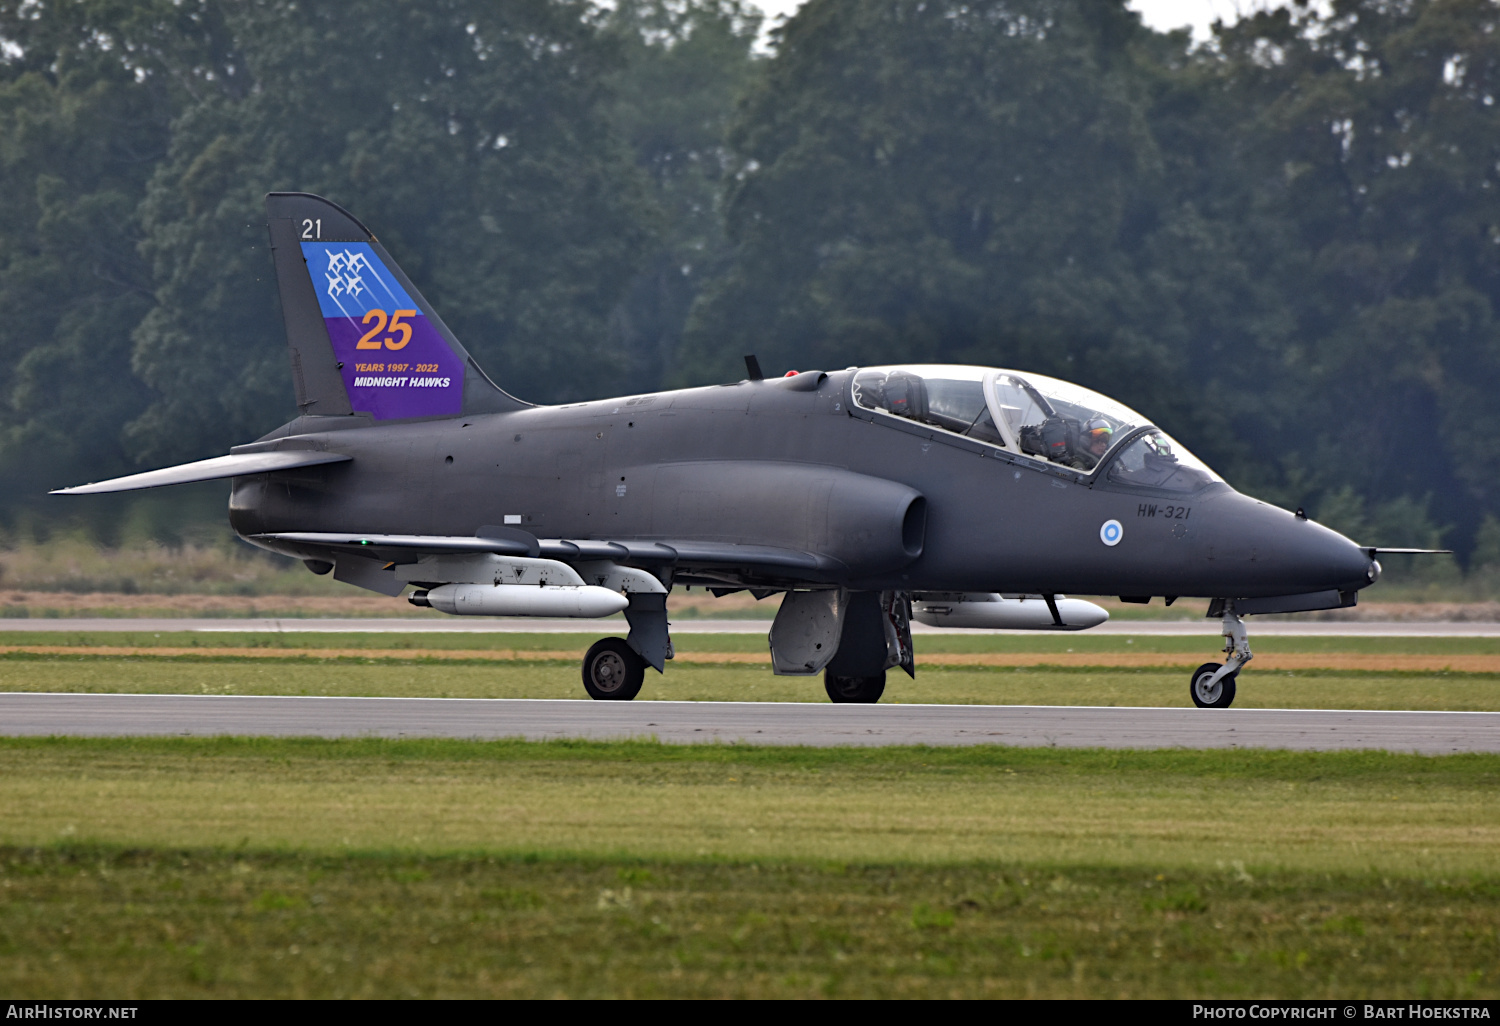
(996, 612)
(521, 600)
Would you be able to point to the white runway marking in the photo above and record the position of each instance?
(763, 723)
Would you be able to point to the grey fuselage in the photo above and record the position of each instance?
(789, 463)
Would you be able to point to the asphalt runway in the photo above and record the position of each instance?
(616, 625)
(763, 723)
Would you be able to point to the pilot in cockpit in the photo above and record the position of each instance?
(1093, 444)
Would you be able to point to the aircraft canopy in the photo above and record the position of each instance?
(1036, 417)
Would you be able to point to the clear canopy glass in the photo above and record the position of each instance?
(1034, 416)
(1153, 460)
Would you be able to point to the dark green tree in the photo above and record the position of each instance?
(1281, 247)
(685, 64)
(1284, 247)
(945, 181)
(1372, 142)
(474, 139)
(83, 122)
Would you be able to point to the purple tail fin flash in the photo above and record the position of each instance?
(363, 340)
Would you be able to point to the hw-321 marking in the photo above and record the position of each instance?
(1150, 509)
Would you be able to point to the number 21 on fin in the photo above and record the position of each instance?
(312, 229)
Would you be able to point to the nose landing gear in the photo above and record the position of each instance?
(1212, 685)
(1211, 689)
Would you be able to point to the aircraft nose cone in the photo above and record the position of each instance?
(1274, 552)
(1319, 558)
(1347, 563)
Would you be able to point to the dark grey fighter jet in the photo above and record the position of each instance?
(866, 496)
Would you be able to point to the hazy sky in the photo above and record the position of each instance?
(1159, 14)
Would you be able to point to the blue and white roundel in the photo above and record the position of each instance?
(1111, 533)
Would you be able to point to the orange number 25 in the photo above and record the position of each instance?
(395, 325)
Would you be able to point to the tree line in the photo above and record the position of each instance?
(1282, 245)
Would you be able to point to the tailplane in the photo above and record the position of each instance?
(362, 338)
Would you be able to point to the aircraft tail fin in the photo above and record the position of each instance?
(362, 339)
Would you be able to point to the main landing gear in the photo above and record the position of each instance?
(1212, 686)
(615, 668)
(851, 638)
(612, 671)
(853, 689)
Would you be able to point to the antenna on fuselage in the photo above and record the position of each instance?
(752, 368)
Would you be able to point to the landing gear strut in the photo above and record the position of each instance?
(1212, 686)
(612, 671)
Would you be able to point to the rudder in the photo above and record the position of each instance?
(361, 338)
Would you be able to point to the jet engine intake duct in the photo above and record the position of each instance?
(914, 526)
(872, 525)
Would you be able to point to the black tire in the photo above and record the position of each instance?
(854, 689)
(1220, 696)
(612, 672)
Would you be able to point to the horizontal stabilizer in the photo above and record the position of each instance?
(237, 465)
(1374, 550)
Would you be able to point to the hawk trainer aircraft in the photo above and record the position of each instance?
(963, 496)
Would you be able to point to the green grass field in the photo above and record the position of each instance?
(175, 867)
(558, 677)
(1208, 644)
(89, 922)
(141, 868)
(1022, 686)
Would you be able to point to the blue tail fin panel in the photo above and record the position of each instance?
(394, 362)
(362, 340)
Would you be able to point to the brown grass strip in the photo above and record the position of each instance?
(1355, 661)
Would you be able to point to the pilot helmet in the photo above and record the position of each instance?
(1098, 429)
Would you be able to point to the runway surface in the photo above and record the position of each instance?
(765, 723)
(616, 625)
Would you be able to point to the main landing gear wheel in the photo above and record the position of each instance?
(1219, 694)
(854, 689)
(612, 672)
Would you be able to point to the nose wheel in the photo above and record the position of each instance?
(1212, 686)
(612, 672)
(1209, 689)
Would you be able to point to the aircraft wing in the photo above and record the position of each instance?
(236, 465)
(714, 560)
(400, 548)
(689, 554)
